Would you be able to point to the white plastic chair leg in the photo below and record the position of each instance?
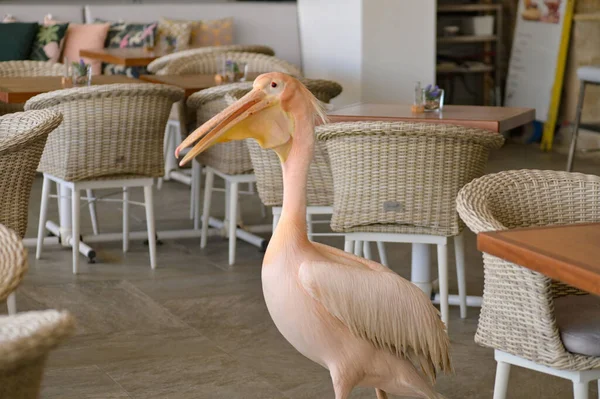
(193, 199)
(442, 253)
(349, 246)
(580, 390)
(196, 189)
(275, 221)
(208, 188)
(43, 216)
(149, 202)
(11, 303)
(367, 250)
(309, 226)
(233, 205)
(58, 199)
(75, 195)
(501, 384)
(358, 248)
(125, 219)
(92, 206)
(459, 251)
(382, 254)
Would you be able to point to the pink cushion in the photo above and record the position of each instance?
(85, 36)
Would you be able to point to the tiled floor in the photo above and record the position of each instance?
(196, 328)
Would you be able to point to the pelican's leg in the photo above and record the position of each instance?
(380, 394)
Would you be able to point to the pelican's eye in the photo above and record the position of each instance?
(273, 84)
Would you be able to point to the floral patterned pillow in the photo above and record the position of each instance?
(215, 32)
(123, 35)
(181, 32)
(48, 43)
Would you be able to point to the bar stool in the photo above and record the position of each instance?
(587, 75)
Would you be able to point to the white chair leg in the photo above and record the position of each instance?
(309, 226)
(196, 189)
(43, 216)
(275, 221)
(125, 219)
(580, 390)
(382, 254)
(168, 150)
(233, 205)
(263, 210)
(208, 188)
(349, 246)
(442, 253)
(358, 248)
(459, 251)
(598, 389)
(11, 303)
(92, 206)
(58, 199)
(75, 195)
(501, 384)
(149, 202)
(192, 196)
(367, 250)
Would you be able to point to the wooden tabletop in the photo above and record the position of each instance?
(190, 83)
(497, 119)
(570, 254)
(20, 89)
(133, 56)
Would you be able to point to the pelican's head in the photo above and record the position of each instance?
(269, 113)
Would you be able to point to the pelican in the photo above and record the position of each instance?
(361, 321)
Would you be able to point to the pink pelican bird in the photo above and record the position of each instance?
(358, 319)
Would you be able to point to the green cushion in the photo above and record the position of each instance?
(16, 40)
(48, 42)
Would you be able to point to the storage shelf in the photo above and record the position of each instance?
(466, 39)
(462, 69)
(448, 8)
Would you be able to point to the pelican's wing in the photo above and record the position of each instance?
(382, 307)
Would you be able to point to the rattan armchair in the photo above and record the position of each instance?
(111, 137)
(397, 182)
(518, 318)
(10, 69)
(159, 63)
(25, 342)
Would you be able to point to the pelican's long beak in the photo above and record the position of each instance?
(257, 115)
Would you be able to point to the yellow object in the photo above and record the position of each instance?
(550, 125)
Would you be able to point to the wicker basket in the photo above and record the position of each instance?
(517, 314)
(233, 157)
(209, 63)
(25, 341)
(397, 177)
(13, 261)
(108, 130)
(23, 136)
(159, 63)
(11, 69)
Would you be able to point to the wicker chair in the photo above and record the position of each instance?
(111, 137)
(11, 69)
(159, 63)
(397, 182)
(524, 312)
(13, 266)
(231, 161)
(25, 342)
(22, 139)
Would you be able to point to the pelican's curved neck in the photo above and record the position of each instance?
(295, 175)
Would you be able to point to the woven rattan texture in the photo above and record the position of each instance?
(108, 130)
(517, 315)
(23, 136)
(209, 63)
(397, 177)
(11, 69)
(159, 63)
(25, 341)
(13, 261)
(233, 157)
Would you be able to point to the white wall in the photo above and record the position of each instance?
(331, 43)
(376, 49)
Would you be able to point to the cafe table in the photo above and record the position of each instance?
(494, 119)
(15, 90)
(567, 253)
(189, 83)
(129, 57)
